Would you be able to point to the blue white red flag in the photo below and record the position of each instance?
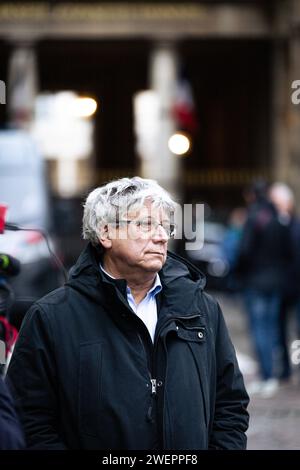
(184, 109)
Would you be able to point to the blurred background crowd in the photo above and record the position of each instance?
(196, 95)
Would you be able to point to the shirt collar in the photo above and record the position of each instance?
(105, 272)
(155, 289)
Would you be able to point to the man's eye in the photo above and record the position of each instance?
(143, 224)
(146, 224)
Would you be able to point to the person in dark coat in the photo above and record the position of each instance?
(283, 198)
(130, 353)
(11, 434)
(264, 257)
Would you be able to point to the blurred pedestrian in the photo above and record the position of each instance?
(263, 260)
(131, 353)
(282, 197)
(231, 246)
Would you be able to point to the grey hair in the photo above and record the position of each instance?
(106, 203)
(283, 191)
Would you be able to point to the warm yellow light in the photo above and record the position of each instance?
(84, 107)
(179, 144)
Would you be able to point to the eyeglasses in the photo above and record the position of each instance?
(150, 226)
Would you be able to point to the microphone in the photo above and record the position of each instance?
(15, 228)
(9, 266)
(5, 225)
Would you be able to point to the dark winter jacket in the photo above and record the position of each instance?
(11, 434)
(265, 250)
(86, 374)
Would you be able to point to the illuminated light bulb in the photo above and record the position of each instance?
(179, 144)
(84, 107)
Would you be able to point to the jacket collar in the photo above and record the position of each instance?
(181, 281)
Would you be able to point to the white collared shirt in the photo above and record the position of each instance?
(146, 310)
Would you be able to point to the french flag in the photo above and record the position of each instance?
(184, 110)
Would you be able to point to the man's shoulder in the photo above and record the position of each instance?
(57, 296)
(209, 301)
(53, 303)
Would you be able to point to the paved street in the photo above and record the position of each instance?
(274, 421)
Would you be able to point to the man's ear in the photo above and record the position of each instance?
(104, 237)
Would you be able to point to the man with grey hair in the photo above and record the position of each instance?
(130, 353)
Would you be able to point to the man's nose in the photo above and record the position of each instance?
(160, 234)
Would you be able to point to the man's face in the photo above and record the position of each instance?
(139, 242)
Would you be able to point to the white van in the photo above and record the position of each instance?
(22, 179)
(23, 188)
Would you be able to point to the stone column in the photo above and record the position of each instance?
(294, 107)
(285, 109)
(160, 164)
(22, 85)
(280, 96)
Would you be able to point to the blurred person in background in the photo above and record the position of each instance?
(231, 246)
(264, 257)
(130, 353)
(11, 434)
(282, 197)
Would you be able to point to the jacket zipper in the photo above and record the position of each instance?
(153, 386)
(154, 382)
